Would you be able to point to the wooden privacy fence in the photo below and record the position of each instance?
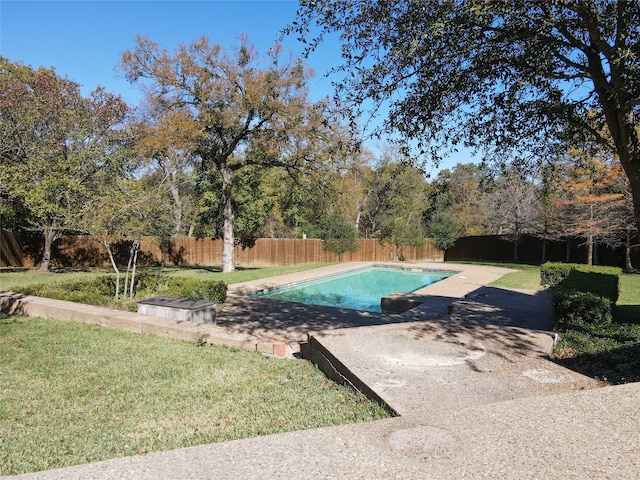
(84, 251)
(11, 254)
(533, 250)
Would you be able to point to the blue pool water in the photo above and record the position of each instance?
(359, 289)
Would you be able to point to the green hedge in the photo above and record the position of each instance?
(197, 289)
(154, 284)
(581, 293)
(101, 290)
(551, 274)
(603, 281)
(571, 307)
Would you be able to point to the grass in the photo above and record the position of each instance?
(75, 393)
(9, 280)
(627, 308)
(527, 277)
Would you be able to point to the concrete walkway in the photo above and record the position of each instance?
(474, 392)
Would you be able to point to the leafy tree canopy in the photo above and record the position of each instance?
(445, 230)
(244, 111)
(459, 193)
(339, 235)
(492, 74)
(53, 144)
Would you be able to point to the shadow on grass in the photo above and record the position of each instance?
(616, 366)
(171, 269)
(608, 352)
(627, 314)
(7, 319)
(69, 270)
(210, 269)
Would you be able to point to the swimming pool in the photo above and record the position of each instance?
(359, 289)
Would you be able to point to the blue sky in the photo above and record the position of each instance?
(83, 40)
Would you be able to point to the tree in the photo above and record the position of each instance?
(165, 142)
(338, 234)
(53, 142)
(628, 227)
(252, 198)
(622, 215)
(397, 198)
(513, 207)
(245, 113)
(342, 189)
(514, 75)
(294, 205)
(121, 208)
(402, 231)
(589, 202)
(444, 229)
(547, 210)
(458, 194)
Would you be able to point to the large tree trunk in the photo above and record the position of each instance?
(632, 169)
(49, 237)
(624, 131)
(228, 261)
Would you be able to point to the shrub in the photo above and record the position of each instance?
(601, 281)
(581, 293)
(216, 291)
(551, 274)
(152, 282)
(572, 306)
(197, 289)
(76, 291)
(101, 290)
(105, 285)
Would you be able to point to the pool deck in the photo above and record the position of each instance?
(468, 377)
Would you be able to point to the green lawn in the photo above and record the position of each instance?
(31, 277)
(9, 280)
(527, 277)
(74, 393)
(628, 305)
